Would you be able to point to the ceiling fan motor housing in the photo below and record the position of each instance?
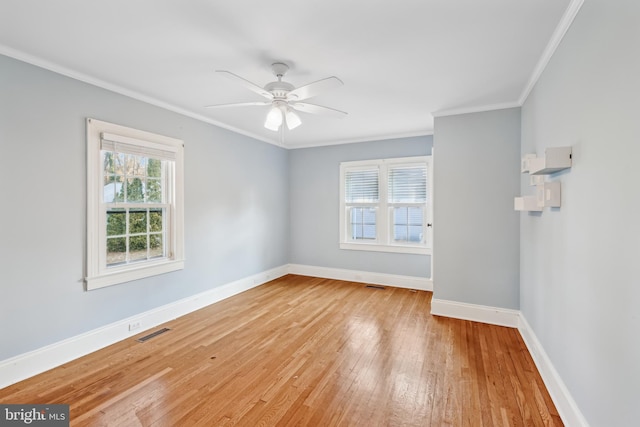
(279, 89)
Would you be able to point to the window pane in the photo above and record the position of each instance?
(108, 161)
(408, 224)
(119, 188)
(139, 166)
(134, 190)
(154, 190)
(112, 186)
(415, 233)
(408, 184)
(116, 250)
(400, 216)
(369, 232)
(119, 163)
(400, 233)
(361, 186)
(363, 223)
(154, 168)
(116, 222)
(414, 215)
(137, 221)
(155, 220)
(156, 245)
(137, 248)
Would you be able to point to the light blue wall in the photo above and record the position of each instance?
(580, 290)
(476, 231)
(314, 185)
(236, 208)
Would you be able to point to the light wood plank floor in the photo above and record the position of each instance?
(309, 352)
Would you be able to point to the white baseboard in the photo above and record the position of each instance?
(37, 361)
(567, 407)
(32, 363)
(398, 281)
(476, 313)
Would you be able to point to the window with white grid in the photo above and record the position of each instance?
(385, 205)
(135, 212)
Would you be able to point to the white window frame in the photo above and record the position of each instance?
(98, 275)
(384, 220)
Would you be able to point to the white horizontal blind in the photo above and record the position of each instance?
(361, 186)
(137, 147)
(408, 184)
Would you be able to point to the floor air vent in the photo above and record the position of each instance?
(375, 287)
(152, 335)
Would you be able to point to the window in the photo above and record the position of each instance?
(385, 205)
(134, 204)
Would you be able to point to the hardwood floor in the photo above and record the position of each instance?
(309, 352)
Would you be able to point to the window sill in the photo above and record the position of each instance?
(134, 273)
(419, 250)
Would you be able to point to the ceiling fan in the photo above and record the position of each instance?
(284, 98)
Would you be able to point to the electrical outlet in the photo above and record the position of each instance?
(134, 326)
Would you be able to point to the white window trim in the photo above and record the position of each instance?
(383, 243)
(97, 275)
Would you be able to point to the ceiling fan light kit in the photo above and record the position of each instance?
(283, 98)
(274, 119)
(292, 119)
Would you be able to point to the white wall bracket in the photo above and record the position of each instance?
(555, 159)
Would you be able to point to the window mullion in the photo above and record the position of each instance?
(126, 232)
(383, 219)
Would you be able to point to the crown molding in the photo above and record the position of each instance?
(563, 26)
(476, 109)
(556, 38)
(67, 72)
(427, 132)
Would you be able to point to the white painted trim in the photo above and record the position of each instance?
(556, 38)
(37, 361)
(561, 29)
(562, 399)
(425, 132)
(372, 247)
(476, 313)
(475, 109)
(395, 280)
(563, 26)
(51, 66)
(567, 407)
(67, 72)
(384, 208)
(98, 275)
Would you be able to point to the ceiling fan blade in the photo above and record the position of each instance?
(246, 83)
(316, 109)
(313, 89)
(239, 104)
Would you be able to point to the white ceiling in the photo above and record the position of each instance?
(400, 61)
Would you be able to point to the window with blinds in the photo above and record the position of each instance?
(407, 197)
(384, 205)
(361, 186)
(134, 204)
(362, 194)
